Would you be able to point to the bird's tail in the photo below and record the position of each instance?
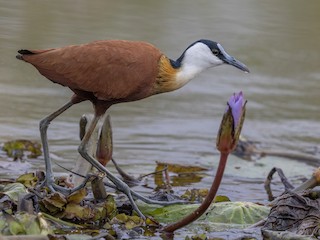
(23, 52)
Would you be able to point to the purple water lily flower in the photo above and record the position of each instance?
(231, 123)
(227, 140)
(236, 103)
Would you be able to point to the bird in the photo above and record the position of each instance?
(108, 72)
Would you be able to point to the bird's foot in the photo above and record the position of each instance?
(152, 201)
(53, 187)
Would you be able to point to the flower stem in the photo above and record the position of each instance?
(207, 201)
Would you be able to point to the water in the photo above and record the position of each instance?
(278, 41)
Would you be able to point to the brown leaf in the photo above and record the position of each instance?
(129, 221)
(77, 196)
(28, 180)
(54, 202)
(74, 210)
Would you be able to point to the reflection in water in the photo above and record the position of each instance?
(278, 43)
(167, 175)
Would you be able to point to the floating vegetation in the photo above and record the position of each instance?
(18, 149)
(28, 207)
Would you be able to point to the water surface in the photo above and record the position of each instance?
(279, 42)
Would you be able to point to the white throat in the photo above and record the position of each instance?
(197, 58)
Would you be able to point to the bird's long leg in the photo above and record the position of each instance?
(83, 150)
(44, 123)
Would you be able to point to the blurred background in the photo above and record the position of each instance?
(278, 40)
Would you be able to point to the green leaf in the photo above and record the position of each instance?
(16, 228)
(168, 214)
(242, 213)
(13, 190)
(221, 198)
(28, 180)
(16, 148)
(29, 222)
(111, 207)
(24, 223)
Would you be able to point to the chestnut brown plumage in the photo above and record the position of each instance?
(116, 71)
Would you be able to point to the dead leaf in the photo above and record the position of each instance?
(129, 221)
(54, 202)
(77, 196)
(74, 210)
(28, 180)
(193, 195)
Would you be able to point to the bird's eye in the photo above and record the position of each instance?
(215, 51)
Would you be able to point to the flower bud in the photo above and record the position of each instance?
(105, 145)
(231, 124)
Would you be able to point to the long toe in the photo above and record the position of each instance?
(128, 191)
(152, 201)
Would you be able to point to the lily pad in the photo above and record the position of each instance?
(233, 213)
(243, 213)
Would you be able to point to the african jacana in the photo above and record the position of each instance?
(115, 71)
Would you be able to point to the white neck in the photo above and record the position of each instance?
(196, 59)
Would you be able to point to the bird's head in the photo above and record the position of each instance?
(199, 56)
(204, 54)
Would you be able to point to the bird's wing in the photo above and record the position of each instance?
(111, 70)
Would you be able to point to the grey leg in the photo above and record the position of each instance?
(123, 187)
(44, 123)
